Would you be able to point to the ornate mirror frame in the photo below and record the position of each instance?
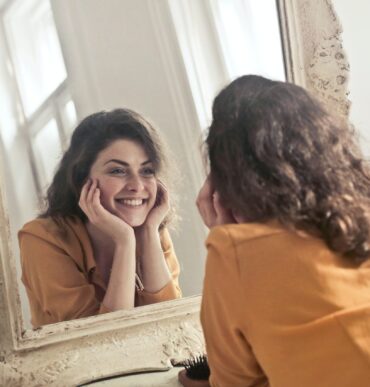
(148, 338)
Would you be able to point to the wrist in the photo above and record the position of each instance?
(125, 251)
(147, 236)
(124, 238)
(147, 229)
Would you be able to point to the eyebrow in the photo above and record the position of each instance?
(124, 163)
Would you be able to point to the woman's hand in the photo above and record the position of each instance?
(210, 208)
(120, 292)
(154, 271)
(106, 222)
(160, 209)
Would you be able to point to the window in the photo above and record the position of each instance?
(45, 112)
(223, 39)
(249, 35)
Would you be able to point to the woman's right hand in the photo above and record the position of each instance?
(120, 292)
(210, 207)
(110, 224)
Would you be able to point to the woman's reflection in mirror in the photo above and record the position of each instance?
(286, 297)
(101, 244)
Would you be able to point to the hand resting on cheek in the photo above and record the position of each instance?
(108, 223)
(210, 207)
(160, 209)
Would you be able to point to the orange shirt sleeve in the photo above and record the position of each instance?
(172, 290)
(231, 358)
(57, 289)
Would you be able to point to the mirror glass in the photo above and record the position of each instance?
(62, 60)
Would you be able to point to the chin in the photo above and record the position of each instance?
(134, 222)
(131, 218)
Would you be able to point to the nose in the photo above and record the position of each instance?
(134, 184)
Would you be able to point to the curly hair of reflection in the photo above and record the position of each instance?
(276, 153)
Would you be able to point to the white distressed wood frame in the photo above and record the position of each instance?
(70, 353)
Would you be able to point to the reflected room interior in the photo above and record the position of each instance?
(62, 60)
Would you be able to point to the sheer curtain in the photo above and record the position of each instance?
(223, 39)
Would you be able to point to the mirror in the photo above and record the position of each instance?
(355, 26)
(71, 59)
(177, 89)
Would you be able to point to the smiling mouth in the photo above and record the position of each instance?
(132, 202)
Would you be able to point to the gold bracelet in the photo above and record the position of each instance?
(138, 284)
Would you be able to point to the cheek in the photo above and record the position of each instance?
(108, 188)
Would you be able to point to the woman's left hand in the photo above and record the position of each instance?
(160, 208)
(153, 268)
(210, 208)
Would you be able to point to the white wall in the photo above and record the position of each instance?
(354, 17)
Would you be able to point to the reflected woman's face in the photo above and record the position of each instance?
(127, 182)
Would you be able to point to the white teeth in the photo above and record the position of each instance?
(132, 202)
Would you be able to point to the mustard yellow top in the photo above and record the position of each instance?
(60, 273)
(280, 309)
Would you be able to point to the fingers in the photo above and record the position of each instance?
(210, 207)
(205, 203)
(84, 191)
(161, 207)
(111, 225)
(91, 191)
(207, 189)
(223, 215)
(83, 194)
(208, 213)
(90, 199)
(162, 194)
(219, 209)
(95, 200)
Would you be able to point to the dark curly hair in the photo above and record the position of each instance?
(90, 137)
(276, 153)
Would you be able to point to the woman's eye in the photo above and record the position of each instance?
(118, 171)
(148, 172)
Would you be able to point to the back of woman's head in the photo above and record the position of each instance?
(90, 137)
(276, 153)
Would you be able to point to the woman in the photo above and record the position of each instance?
(286, 297)
(101, 244)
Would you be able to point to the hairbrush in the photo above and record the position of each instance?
(197, 368)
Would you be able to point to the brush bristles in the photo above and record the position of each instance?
(197, 368)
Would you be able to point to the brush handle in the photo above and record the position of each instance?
(187, 382)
